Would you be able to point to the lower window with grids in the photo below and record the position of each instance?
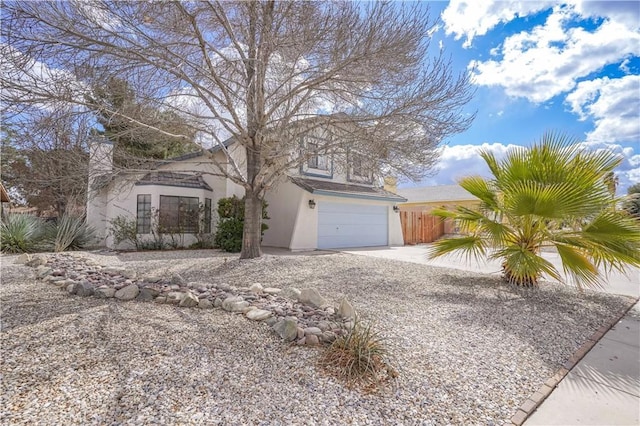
(179, 214)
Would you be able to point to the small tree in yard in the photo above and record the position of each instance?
(550, 195)
(263, 73)
(631, 203)
(231, 223)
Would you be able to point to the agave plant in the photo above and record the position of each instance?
(21, 233)
(71, 233)
(553, 194)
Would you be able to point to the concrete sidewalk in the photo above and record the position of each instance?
(604, 387)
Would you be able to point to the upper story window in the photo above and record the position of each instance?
(319, 162)
(359, 168)
(316, 160)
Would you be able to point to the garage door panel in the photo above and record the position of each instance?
(351, 225)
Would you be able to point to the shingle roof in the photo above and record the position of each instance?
(198, 153)
(440, 193)
(323, 187)
(174, 179)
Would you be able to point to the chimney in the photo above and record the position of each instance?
(100, 167)
(390, 184)
(100, 157)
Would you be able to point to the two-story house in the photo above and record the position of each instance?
(328, 202)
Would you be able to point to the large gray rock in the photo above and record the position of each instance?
(256, 288)
(327, 337)
(127, 293)
(22, 259)
(272, 290)
(42, 271)
(104, 292)
(63, 283)
(175, 297)
(258, 314)
(234, 304)
(311, 340)
(36, 261)
(311, 297)
(312, 330)
(189, 300)
(346, 309)
(287, 329)
(291, 293)
(205, 304)
(147, 294)
(83, 289)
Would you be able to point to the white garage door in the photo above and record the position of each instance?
(351, 225)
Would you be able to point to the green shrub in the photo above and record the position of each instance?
(360, 357)
(229, 235)
(71, 233)
(22, 234)
(123, 228)
(229, 232)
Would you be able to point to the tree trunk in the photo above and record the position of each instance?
(252, 231)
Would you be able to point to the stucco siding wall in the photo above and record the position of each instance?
(284, 202)
(124, 199)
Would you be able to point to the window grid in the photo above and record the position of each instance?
(143, 214)
(179, 214)
(207, 215)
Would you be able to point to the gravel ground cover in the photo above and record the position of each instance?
(469, 349)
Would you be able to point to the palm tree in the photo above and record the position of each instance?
(612, 181)
(550, 195)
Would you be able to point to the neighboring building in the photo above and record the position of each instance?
(4, 198)
(427, 198)
(320, 205)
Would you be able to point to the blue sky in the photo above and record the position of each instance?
(571, 67)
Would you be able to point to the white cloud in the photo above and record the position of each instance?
(471, 18)
(464, 160)
(612, 104)
(475, 18)
(549, 59)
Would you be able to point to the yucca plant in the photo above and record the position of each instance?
(20, 233)
(360, 357)
(553, 194)
(71, 233)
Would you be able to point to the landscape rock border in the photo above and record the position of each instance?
(300, 316)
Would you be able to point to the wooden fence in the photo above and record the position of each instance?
(420, 227)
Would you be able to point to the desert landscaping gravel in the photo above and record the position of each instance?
(469, 349)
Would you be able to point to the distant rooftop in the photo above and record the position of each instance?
(439, 193)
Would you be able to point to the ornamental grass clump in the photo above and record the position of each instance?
(71, 233)
(360, 357)
(21, 233)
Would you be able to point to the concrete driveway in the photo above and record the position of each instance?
(604, 387)
(617, 283)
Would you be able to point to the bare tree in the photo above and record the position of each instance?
(45, 160)
(264, 73)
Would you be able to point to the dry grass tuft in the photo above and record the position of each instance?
(360, 357)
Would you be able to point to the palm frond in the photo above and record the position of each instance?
(577, 265)
(480, 188)
(468, 246)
